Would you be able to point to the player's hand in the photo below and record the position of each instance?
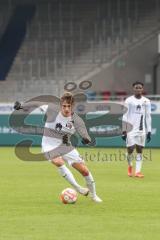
(148, 137)
(85, 141)
(17, 105)
(65, 139)
(124, 136)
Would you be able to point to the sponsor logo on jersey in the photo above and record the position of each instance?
(58, 127)
(138, 107)
(69, 125)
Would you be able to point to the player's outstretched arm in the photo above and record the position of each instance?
(148, 120)
(148, 116)
(125, 121)
(24, 106)
(44, 102)
(81, 129)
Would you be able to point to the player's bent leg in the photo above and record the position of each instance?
(130, 149)
(82, 168)
(139, 161)
(129, 160)
(65, 172)
(57, 161)
(84, 171)
(139, 149)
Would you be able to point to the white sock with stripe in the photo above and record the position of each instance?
(66, 173)
(91, 184)
(139, 161)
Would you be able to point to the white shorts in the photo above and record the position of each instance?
(70, 157)
(135, 140)
(73, 157)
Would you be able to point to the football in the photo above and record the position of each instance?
(68, 196)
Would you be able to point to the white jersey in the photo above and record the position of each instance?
(138, 115)
(61, 125)
(56, 126)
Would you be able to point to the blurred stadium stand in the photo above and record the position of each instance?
(13, 36)
(73, 41)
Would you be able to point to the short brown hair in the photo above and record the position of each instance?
(68, 97)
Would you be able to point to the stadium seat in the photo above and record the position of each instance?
(106, 95)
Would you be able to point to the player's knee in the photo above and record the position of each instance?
(139, 149)
(58, 162)
(81, 168)
(130, 150)
(85, 172)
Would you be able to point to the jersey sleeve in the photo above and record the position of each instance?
(80, 127)
(125, 116)
(148, 116)
(49, 109)
(31, 106)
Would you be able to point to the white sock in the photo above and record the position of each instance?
(129, 159)
(66, 173)
(91, 184)
(139, 161)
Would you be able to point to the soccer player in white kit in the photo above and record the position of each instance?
(58, 150)
(136, 127)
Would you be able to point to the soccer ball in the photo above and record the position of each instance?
(68, 196)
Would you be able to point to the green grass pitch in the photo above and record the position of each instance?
(30, 208)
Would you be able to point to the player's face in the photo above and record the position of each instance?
(66, 109)
(138, 90)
